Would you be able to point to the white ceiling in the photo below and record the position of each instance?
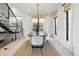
(30, 8)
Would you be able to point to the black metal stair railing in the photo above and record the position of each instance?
(7, 13)
(5, 27)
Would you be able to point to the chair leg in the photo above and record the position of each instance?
(32, 51)
(41, 51)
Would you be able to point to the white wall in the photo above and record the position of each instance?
(52, 26)
(75, 34)
(26, 19)
(61, 27)
(73, 43)
(27, 25)
(49, 25)
(46, 24)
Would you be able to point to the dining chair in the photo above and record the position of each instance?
(37, 41)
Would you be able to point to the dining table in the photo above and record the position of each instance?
(41, 34)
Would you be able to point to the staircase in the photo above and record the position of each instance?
(6, 14)
(5, 28)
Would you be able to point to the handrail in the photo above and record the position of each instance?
(7, 12)
(12, 13)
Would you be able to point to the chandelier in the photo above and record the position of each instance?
(38, 13)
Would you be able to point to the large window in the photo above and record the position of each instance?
(41, 24)
(14, 20)
(68, 23)
(56, 25)
(68, 20)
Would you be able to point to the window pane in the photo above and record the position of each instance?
(34, 23)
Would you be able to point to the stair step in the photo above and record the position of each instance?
(5, 27)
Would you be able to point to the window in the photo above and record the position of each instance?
(15, 22)
(68, 18)
(41, 24)
(68, 24)
(55, 14)
(55, 25)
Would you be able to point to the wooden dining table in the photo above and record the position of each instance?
(41, 33)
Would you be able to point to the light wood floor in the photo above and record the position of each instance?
(48, 50)
(4, 43)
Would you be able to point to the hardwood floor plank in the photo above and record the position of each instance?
(46, 51)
